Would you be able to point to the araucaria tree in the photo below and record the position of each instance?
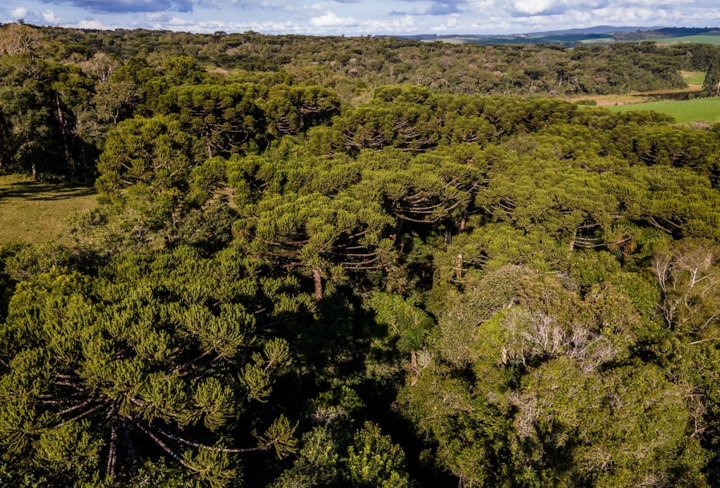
(711, 84)
(295, 276)
(158, 357)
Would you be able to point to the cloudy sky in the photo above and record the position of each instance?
(360, 17)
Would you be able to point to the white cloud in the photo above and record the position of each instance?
(50, 17)
(656, 3)
(91, 24)
(331, 19)
(19, 12)
(360, 17)
(533, 7)
(549, 7)
(159, 16)
(406, 23)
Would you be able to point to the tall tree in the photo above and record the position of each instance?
(226, 117)
(324, 237)
(711, 83)
(158, 357)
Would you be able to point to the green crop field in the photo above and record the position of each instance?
(33, 211)
(701, 39)
(684, 112)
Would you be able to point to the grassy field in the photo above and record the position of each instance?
(684, 112)
(702, 39)
(634, 98)
(694, 77)
(550, 39)
(586, 39)
(33, 212)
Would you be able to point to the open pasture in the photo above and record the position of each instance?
(693, 78)
(700, 39)
(684, 111)
(33, 211)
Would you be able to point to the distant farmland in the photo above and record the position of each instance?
(572, 39)
(550, 39)
(700, 39)
(684, 112)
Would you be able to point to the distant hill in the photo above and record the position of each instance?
(598, 29)
(664, 33)
(595, 30)
(600, 34)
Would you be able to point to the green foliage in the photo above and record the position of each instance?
(627, 426)
(370, 459)
(279, 436)
(292, 109)
(688, 277)
(226, 117)
(403, 320)
(323, 236)
(711, 83)
(373, 460)
(318, 462)
(310, 277)
(28, 125)
(147, 352)
(155, 152)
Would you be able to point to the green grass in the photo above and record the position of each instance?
(587, 39)
(558, 39)
(600, 41)
(33, 211)
(684, 112)
(701, 39)
(582, 38)
(694, 77)
(456, 40)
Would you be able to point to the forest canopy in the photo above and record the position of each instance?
(357, 262)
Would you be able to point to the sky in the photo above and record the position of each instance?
(361, 17)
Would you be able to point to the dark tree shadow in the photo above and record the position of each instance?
(669, 96)
(41, 191)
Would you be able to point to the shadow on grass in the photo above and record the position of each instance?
(673, 95)
(36, 190)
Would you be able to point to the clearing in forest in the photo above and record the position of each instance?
(34, 211)
(694, 79)
(680, 104)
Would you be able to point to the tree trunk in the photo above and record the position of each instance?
(207, 142)
(413, 368)
(128, 442)
(63, 132)
(318, 288)
(112, 453)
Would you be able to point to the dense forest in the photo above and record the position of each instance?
(330, 262)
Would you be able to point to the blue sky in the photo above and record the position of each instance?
(361, 17)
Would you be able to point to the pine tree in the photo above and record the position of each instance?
(711, 85)
(323, 237)
(157, 358)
